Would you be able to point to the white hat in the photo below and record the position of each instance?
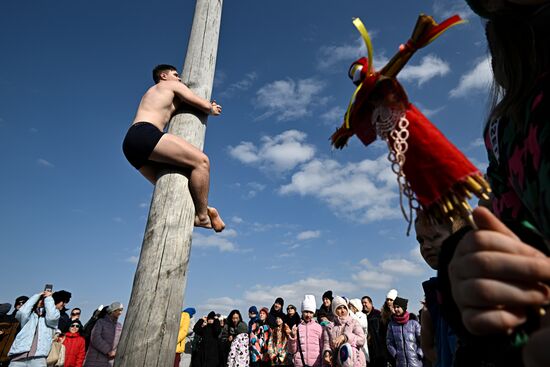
(392, 294)
(356, 302)
(337, 302)
(308, 304)
(115, 306)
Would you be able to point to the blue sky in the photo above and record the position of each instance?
(301, 218)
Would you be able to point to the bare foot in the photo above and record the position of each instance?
(204, 223)
(215, 219)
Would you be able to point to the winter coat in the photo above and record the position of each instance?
(293, 320)
(64, 321)
(8, 326)
(349, 327)
(233, 332)
(277, 348)
(75, 350)
(311, 344)
(29, 321)
(208, 352)
(238, 352)
(259, 336)
(403, 341)
(362, 320)
(103, 340)
(182, 334)
(376, 342)
(272, 317)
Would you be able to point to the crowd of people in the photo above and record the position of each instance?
(341, 332)
(40, 332)
(485, 307)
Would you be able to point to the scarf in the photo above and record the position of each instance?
(401, 319)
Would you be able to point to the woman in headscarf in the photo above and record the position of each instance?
(344, 332)
(207, 329)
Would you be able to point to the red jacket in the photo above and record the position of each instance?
(75, 350)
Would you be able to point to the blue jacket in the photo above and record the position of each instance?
(29, 321)
(403, 341)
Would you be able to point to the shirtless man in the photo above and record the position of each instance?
(146, 145)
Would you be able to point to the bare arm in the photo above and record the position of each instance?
(183, 92)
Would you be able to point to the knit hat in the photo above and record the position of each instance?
(280, 301)
(253, 309)
(356, 302)
(327, 294)
(337, 302)
(61, 296)
(4, 308)
(191, 311)
(20, 299)
(114, 306)
(211, 315)
(265, 310)
(392, 294)
(308, 304)
(401, 302)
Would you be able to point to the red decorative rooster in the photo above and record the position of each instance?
(430, 170)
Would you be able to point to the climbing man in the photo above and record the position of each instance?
(146, 145)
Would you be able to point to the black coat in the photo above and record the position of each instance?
(375, 342)
(208, 351)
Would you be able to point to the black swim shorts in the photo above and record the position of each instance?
(140, 140)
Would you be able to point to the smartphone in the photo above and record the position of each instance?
(48, 288)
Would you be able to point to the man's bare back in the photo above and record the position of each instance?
(161, 101)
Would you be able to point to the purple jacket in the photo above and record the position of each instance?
(311, 343)
(354, 333)
(403, 341)
(105, 335)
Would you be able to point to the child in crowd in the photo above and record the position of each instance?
(403, 338)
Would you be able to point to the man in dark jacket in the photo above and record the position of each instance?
(374, 343)
(62, 297)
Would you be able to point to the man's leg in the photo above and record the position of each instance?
(176, 151)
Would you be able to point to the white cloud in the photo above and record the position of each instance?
(133, 259)
(293, 293)
(44, 163)
(237, 220)
(430, 67)
(216, 241)
(222, 305)
(401, 266)
(242, 85)
(334, 116)
(481, 165)
(288, 99)
(253, 189)
(477, 143)
(365, 191)
(330, 56)
(308, 235)
(279, 153)
(373, 279)
(478, 79)
(430, 112)
(444, 9)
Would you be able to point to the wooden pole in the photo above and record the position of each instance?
(152, 321)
